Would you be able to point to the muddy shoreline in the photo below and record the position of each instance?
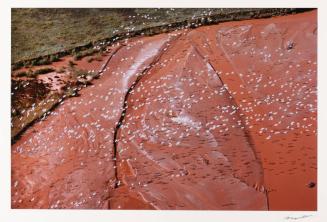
(243, 14)
(220, 117)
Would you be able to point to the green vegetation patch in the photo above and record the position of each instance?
(43, 31)
(43, 71)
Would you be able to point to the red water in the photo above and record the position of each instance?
(220, 117)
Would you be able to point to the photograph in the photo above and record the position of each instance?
(209, 109)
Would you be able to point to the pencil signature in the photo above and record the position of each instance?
(298, 217)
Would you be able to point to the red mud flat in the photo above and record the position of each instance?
(62, 75)
(221, 117)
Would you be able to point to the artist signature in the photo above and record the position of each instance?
(298, 217)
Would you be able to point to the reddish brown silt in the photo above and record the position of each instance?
(221, 117)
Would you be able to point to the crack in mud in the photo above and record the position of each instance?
(125, 106)
(104, 66)
(247, 133)
(248, 136)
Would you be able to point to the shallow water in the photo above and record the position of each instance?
(219, 117)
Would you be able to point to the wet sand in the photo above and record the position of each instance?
(221, 117)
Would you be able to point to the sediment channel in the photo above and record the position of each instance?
(221, 117)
